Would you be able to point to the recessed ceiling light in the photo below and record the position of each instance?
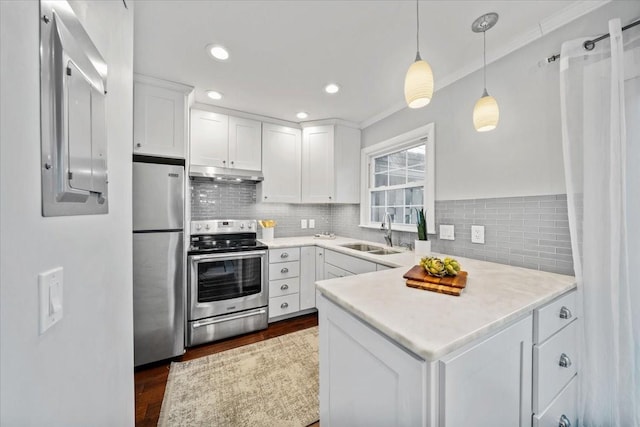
(302, 115)
(218, 52)
(214, 95)
(332, 88)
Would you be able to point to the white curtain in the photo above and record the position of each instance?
(600, 99)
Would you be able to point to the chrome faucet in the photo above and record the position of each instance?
(387, 229)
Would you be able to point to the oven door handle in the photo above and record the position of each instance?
(208, 322)
(228, 255)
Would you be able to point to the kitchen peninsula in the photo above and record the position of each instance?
(394, 355)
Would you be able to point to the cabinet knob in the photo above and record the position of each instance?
(329, 197)
(138, 145)
(284, 255)
(284, 270)
(284, 305)
(565, 313)
(564, 421)
(565, 362)
(224, 162)
(265, 197)
(284, 287)
(232, 162)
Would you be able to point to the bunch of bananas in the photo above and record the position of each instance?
(439, 268)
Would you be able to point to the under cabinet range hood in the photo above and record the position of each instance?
(225, 174)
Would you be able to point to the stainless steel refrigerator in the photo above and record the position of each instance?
(158, 261)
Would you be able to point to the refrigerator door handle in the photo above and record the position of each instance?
(208, 322)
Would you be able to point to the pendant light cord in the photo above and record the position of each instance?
(484, 58)
(417, 27)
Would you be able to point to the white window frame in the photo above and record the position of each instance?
(424, 134)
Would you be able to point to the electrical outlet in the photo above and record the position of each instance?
(312, 223)
(477, 234)
(303, 223)
(447, 232)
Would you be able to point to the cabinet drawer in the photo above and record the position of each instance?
(284, 270)
(284, 287)
(349, 263)
(549, 374)
(332, 272)
(564, 405)
(554, 316)
(284, 255)
(286, 304)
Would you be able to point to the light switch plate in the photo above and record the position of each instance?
(303, 223)
(477, 234)
(312, 223)
(447, 232)
(50, 292)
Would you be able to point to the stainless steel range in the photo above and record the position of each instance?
(228, 286)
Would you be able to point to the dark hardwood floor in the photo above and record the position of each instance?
(150, 381)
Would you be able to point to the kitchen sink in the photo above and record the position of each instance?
(370, 249)
(384, 252)
(363, 247)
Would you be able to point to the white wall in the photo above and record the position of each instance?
(523, 156)
(80, 372)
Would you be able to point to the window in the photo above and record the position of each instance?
(398, 178)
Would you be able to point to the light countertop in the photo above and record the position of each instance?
(405, 257)
(427, 323)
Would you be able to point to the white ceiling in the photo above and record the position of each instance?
(284, 52)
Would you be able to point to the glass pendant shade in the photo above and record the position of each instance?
(418, 84)
(486, 113)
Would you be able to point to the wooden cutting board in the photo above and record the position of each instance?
(441, 289)
(418, 274)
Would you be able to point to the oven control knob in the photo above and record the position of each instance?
(241, 225)
(198, 227)
(207, 226)
(250, 226)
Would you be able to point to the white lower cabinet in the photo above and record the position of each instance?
(555, 371)
(489, 384)
(563, 410)
(365, 379)
(286, 304)
(307, 277)
(292, 276)
(506, 379)
(337, 264)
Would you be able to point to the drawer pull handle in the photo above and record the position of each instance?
(564, 421)
(284, 270)
(565, 362)
(284, 287)
(565, 313)
(284, 305)
(284, 255)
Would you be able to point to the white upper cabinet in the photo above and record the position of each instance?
(159, 117)
(330, 164)
(209, 138)
(223, 141)
(280, 164)
(245, 144)
(317, 165)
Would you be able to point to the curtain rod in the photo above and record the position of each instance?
(590, 44)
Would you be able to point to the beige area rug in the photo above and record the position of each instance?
(269, 383)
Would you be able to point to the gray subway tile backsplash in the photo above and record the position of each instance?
(530, 232)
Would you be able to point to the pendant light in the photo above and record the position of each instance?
(418, 84)
(486, 112)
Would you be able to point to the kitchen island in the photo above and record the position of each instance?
(394, 355)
